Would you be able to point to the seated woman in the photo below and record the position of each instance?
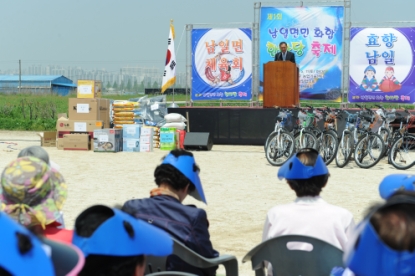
(33, 194)
(309, 214)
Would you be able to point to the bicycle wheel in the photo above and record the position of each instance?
(280, 148)
(385, 134)
(344, 150)
(266, 142)
(402, 153)
(369, 150)
(305, 139)
(328, 146)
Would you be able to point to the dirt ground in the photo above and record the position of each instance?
(240, 186)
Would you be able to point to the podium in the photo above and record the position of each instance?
(281, 87)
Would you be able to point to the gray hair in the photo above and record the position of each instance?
(35, 151)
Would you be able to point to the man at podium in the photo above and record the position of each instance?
(284, 54)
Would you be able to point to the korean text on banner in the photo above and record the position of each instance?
(221, 64)
(381, 65)
(315, 36)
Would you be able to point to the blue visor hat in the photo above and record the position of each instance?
(112, 239)
(395, 182)
(33, 262)
(184, 164)
(368, 255)
(295, 169)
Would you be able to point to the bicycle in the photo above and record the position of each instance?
(280, 144)
(402, 152)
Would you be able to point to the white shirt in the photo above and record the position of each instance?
(310, 216)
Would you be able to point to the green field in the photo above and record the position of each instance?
(39, 112)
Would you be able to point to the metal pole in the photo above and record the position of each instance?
(20, 74)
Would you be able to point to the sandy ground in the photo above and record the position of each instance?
(239, 184)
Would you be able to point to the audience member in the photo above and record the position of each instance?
(176, 177)
(309, 214)
(396, 182)
(115, 244)
(22, 253)
(33, 194)
(384, 243)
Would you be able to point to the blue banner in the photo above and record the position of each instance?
(315, 36)
(221, 64)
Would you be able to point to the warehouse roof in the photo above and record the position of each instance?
(30, 78)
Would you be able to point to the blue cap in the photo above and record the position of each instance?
(112, 239)
(184, 163)
(34, 262)
(295, 169)
(370, 68)
(394, 182)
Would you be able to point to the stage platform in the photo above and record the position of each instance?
(231, 125)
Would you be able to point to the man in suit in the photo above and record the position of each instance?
(284, 54)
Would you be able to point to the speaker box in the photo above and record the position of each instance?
(198, 141)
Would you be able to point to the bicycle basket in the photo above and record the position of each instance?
(352, 118)
(377, 123)
(282, 115)
(308, 120)
(288, 122)
(390, 117)
(365, 125)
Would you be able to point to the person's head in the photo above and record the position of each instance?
(35, 151)
(180, 172)
(283, 46)
(389, 71)
(21, 252)
(385, 241)
(305, 172)
(370, 71)
(396, 182)
(31, 192)
(115, 243)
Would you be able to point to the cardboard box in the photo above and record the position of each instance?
(147, 131)
(146, 148)
(131, 145)
(108, 140)
(144, 139)
(167, 138)
(48, 138)
(89, 89)
(90, 109)
(76, 142)
(64, 124)
(131, 131)
(61, 133)
(59, 143)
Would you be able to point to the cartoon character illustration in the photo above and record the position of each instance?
(369, 82)
(389, 83)
(225, 73)
(224, 78)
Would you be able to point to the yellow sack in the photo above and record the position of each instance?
(123, 114)
(122, 109)
(124, 122)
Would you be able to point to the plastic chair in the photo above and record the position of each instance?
(319, 261)
(158, 264)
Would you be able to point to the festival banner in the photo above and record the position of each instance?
(221, 64)
(382, 65)
(315, 36)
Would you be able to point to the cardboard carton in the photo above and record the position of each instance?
(146, 148)
(75, 142)
(64, 124)
(48, 138)
(131, 145)
(89, 109)
(108, 140)
(147, 131)
(146, 139)
(59, 143)
(89, 89)
(131, 131)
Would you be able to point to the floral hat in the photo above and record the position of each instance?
(31, 192)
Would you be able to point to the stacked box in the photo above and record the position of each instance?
(131, 138)
(76, 142)
(108, 140)
(48, 139)
(90, 109)
(89, 89)
(167, 138)
(146, 139)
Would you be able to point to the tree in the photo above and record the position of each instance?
(156, 85)
(115, 85)
(129, 86)
(141, 88)
(135, 86)
(108, 85)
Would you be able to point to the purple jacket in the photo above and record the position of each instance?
(186, 223)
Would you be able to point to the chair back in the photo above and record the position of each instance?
(293, 262)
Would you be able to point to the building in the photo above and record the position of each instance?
(56, 84)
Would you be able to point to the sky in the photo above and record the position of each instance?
(109, 34)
